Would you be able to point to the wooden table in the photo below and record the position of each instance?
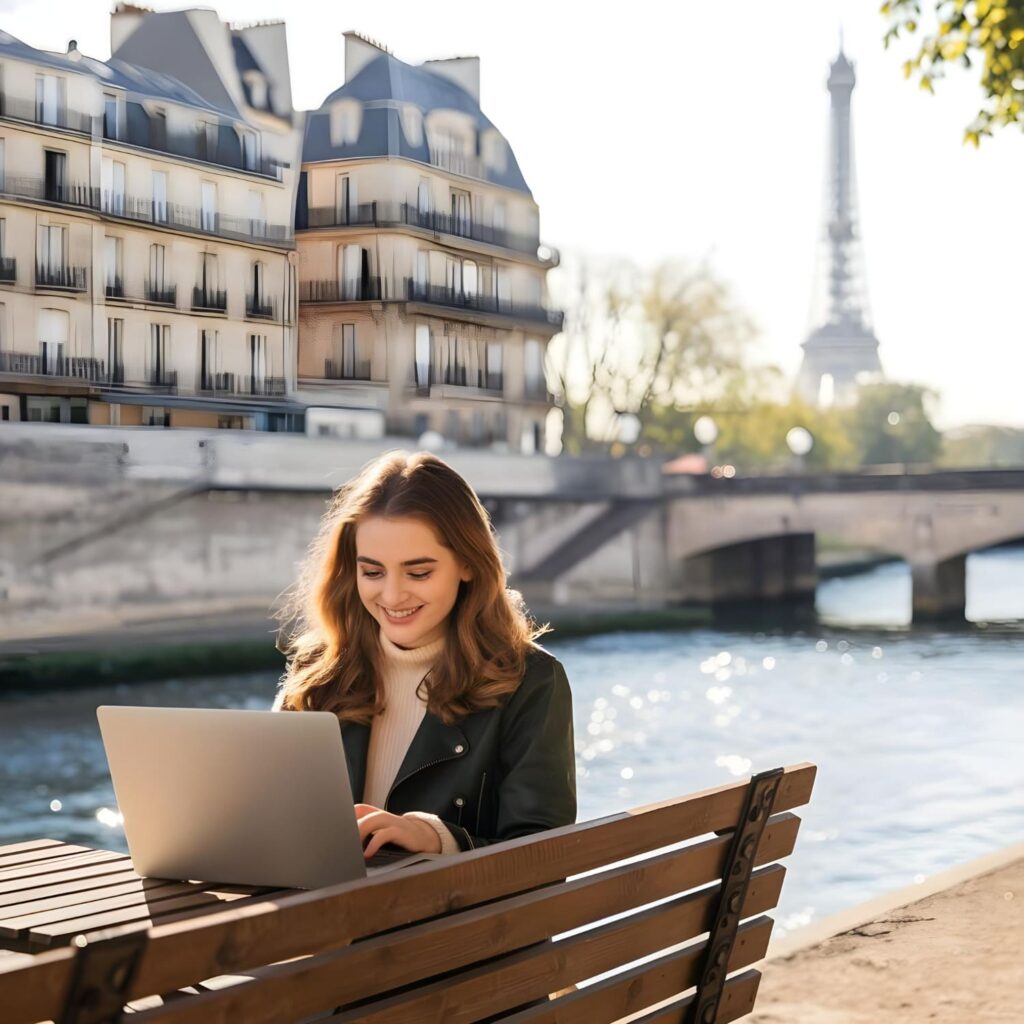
(51, 891)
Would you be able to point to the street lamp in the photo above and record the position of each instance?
(705, 429)
(800, 442)
(628, 427)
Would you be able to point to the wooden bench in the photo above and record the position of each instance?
(466, 938)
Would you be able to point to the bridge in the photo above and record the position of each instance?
(113, 521)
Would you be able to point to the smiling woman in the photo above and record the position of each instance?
(457, 724)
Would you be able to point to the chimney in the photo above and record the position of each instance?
(463, 71)
(359, 51)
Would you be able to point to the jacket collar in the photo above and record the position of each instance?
(434, 742)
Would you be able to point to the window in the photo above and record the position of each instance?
(51, 253)
(533, 366)
(112, 186)
(3, 167)
(499, 217)
(257, 214)
(157, 270)
(154, 416)
(208, 214)
(469, 279)
(461, 212)
(51, 93)
(423, 198)
(422, 273)
(453, 277)
(208, 271)
(54, 326)
(158, 130)
(422, 363)
(251, 150)
(258, 362)
(344, 200)
(208, 360)
(111, 118)
(115, 350)
(257, 282)
(206, 139)
(159, 344)
(55, 171)
(494, 360)
(351, 258)
(160, 197)
(113, 250)
(502, 287)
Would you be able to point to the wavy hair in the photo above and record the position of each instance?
(331, 642)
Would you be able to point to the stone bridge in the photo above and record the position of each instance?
(120, 521)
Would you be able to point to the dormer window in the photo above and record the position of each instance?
(346, 121)
(111, 116)
(256, 83)
(494, 150)
(250, 150)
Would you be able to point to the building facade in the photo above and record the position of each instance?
(146, 227)
(422, 300)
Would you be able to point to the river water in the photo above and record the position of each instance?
(918, 734)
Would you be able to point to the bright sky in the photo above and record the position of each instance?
(689, 130)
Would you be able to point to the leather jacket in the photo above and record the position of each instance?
(497, 774)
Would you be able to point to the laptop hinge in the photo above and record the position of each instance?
(101, 977)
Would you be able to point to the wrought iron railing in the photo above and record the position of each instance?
(64, 277)
(360, 290)
(206, 299)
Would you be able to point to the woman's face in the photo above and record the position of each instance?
(401, 565)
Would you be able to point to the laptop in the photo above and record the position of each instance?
(237, 797)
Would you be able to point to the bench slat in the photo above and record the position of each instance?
(86, 871)
(23, 874)
(389, 961)
(38, 856)
(10, 902)
(511, 981)
(738, 998)
(31, 844)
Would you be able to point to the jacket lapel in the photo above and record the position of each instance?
(356, 740)
(434, 742)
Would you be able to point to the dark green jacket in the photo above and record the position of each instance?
(501, 773)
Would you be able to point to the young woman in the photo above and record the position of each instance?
(457, 725)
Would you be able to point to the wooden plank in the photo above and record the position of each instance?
(629, 993)
(311, 985)
(531, 974)
(47, 853)
(738, 999)
(329, 918)
(57, 910)
(11, 900)
(64, 931)
(31, 844)
(19, 885)
(387, 962)
(234, 940)
(49, 867)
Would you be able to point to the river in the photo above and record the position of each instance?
(917, 732)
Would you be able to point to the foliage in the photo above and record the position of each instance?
(890, 424)
(991, 31)
(983, 446)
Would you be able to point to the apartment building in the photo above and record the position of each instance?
(147, 264)
(421, 275)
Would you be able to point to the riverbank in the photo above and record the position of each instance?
(948, 950)
(219, 640)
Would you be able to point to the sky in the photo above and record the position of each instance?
(695, 131)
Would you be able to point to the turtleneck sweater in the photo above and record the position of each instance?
(393, 730)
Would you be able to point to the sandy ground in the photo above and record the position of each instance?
(957, 955)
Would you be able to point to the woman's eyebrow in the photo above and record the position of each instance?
(412, 561)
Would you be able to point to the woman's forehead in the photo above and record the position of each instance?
(397, 538)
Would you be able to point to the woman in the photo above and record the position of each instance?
(457, 725)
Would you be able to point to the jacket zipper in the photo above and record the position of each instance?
(422, 767)
(480, 799)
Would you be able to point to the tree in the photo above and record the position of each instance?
(890, 424)
(640, 343)
(991, 31)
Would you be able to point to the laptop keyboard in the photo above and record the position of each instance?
(383, 857)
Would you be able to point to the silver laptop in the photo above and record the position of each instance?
(239, 797)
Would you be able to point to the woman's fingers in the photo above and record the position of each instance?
(385, 835)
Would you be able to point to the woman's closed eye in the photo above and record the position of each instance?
(373, 574)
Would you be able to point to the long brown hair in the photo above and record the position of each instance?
(332, 642)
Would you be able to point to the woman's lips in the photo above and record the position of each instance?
(403, 619)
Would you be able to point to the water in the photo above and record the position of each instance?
(916, 733)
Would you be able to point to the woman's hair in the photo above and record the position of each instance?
(331, 641)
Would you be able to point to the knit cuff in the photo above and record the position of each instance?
(448, 842)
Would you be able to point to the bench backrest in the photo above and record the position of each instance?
(464, 938)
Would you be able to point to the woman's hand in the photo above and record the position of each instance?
(382, 827)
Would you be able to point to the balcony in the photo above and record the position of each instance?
(64, 278)
(344, 370)
(452, 298)
(205, 300)
(241, 387)
(391, 215)
(486, 385)
(163, 380)
(64, 367)
(8, 270)
(258, 307)
(363, 290)
(114, 289)
(162, 295)
(58, 116)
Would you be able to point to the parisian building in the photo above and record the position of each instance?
(147, 264)
(422, 300)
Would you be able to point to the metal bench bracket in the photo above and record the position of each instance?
(101, 979)
(739, 864)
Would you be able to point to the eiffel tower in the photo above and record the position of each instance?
(841, 349)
